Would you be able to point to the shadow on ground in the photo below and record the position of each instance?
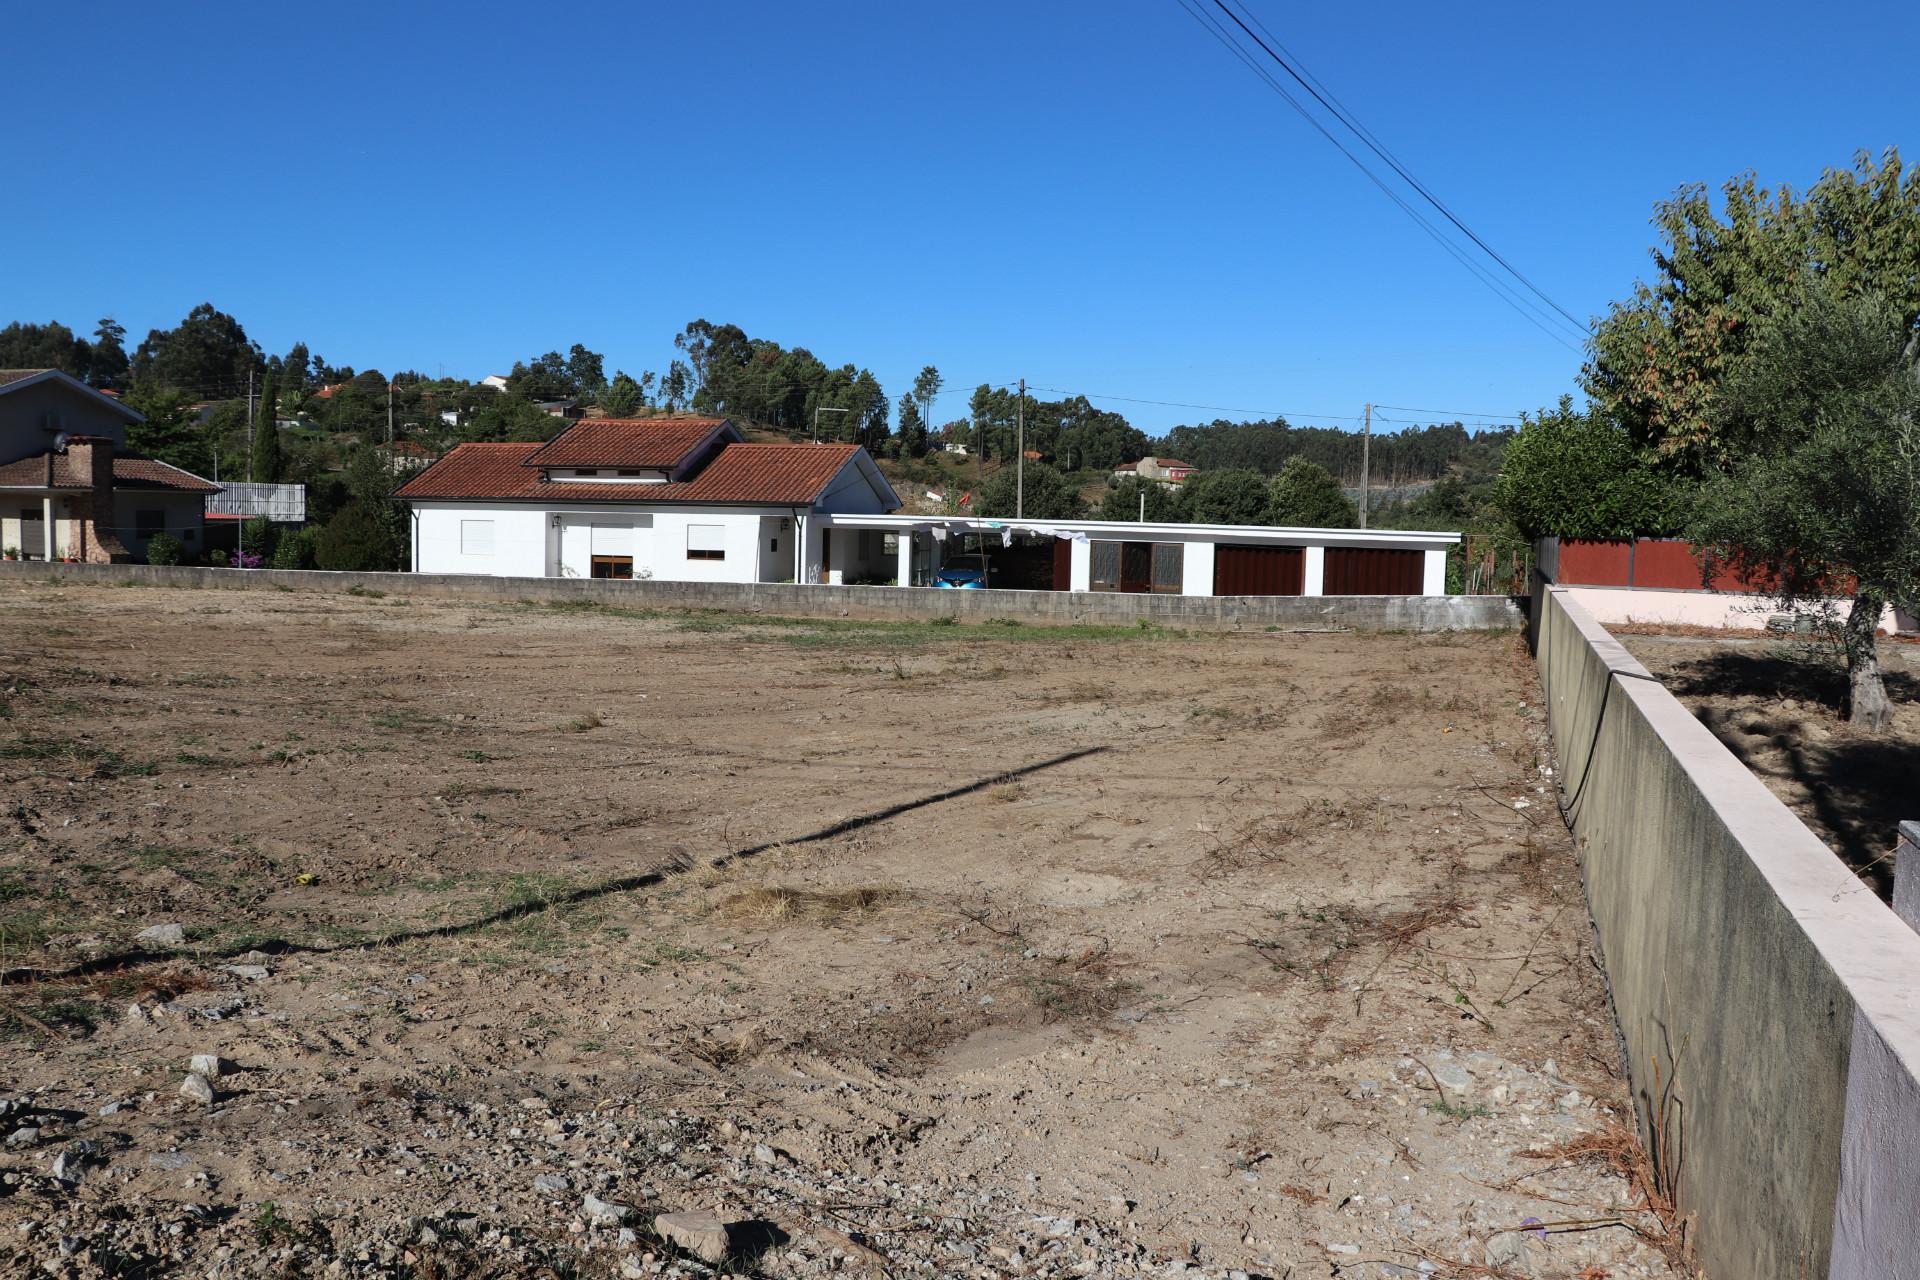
(1855, 789)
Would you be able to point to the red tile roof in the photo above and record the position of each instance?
(759, 474)
(626, 442)
(130, 471)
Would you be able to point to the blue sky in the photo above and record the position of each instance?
(1090, 195)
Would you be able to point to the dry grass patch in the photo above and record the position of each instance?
(775, 904)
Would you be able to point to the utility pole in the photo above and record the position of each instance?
(1020, 454)
(250, 423)
(389, 413)
(1366, 450)
(817, 411)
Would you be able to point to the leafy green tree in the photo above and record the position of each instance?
(369, 532)
(265, 468)
(1048, 494)
(587, 369)
(107, 363)
(509, 417)
(297, 549)
(359, 538)
(623, 397)
(1579, 475)
(44, 346)
(546, 377)
(1234, 496)
(676, 387)
(1820, 487)
(1659, 359)
(296, 372)
(1305, 495)
(208, 354)
(926, 389)
(164, 548)
(913, 428)
(1164, 504)
(172, 431)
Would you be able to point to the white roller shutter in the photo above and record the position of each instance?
(612, 539)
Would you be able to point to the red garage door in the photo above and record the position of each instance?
(1259, 571)
(1372, 571)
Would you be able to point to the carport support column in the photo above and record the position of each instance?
(46, 525)
(1434, 580)
(1314, 579)
(1080, 565)
(809, 545)
(903, 571)
(1196, 568)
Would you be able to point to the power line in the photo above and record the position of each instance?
(1310, 84)
(1512, 299)
(1213, 408)
(1457, 413)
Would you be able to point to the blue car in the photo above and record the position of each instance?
(961, 579)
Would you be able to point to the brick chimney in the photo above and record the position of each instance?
(90, 462)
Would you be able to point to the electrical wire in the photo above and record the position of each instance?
(1514, 300)
(1340, 113)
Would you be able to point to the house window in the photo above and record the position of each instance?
(613, 566)
(629, 471)
(476, 537)
(148, 523)
(706, 542)
(773, 544)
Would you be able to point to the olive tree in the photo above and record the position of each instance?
(1820, 489)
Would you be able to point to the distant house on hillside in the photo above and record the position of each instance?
(69, 486)
(404, 457)
(1168, 471)
(494, 382)
(560, 408)
(674, 499)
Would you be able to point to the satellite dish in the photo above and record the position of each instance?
(60, 440)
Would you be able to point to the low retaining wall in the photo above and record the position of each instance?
(1362, 613)
(1769, 1002)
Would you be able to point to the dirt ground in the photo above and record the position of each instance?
(1779, 704)
(904, 949)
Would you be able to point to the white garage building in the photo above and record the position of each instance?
(688, 500)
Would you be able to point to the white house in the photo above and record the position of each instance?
(673, 499)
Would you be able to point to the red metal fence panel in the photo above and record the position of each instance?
(1595, 564)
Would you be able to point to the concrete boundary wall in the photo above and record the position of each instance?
(1768, 1001)
(1217, 613)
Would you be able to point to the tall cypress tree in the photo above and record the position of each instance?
(266, 438)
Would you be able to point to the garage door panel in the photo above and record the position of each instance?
(1374, 571)
(1259, 571)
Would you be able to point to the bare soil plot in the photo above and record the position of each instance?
(913, 949)
(1778, 704)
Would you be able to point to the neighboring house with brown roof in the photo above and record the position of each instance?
(676, 499)
(1168, 471)
(70, 488)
